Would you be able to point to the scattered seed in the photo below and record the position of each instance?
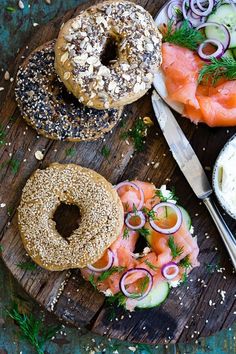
(39, 155)
(6, 76)
(21, 4)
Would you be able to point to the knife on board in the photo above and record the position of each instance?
(192, 169)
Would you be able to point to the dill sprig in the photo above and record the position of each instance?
(105, 151)
(137, 134)
(27, 265)
(176, 251)
(171, 195)
(143, 284)
(109, 272)
(71, 152)
(125, 234)
(150, 213)
(32, 329)
(2, 135)
(185, 262)
(218, 68)
(185, 36)
(144, 232)
(91, 279)
(119, 299)
(150, 265)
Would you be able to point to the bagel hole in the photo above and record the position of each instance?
(110, 51)
(67, 219)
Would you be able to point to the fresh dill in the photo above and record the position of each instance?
(185, 262)
(143, 284)
(92, 281)
(212, 268)
(135, 210)
(126, 234)
(2, 135)
(10, 211)
(137, 134)
(10, 9)
(109, 272)
(105, 151)
(144, 232)
(150, 213)
(1, 248)
(14, 163)
(218, 68)
(32, 329)
(119, 299)
(27, 265)
(176, 251)
(184, 278)
(171, 195)
(185, 36)
(150, 265)
(71, 152)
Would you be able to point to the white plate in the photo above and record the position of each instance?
(159, 79)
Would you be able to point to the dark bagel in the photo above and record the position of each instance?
(47, 106)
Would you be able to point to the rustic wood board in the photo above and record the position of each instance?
(186, 315)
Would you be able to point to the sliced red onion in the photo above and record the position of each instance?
(218, 52)
(194, 19)
(171, 266)
(171, 8)
(172, 229)
(110, 262)
(178, 24)
(135, 186)
(185, 5)
(202, 11)
(138, 214)
(145, 272)
(226, 41)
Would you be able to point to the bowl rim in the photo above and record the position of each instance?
(215, 179)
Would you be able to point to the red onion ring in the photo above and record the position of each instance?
(166, 267)
(131, 271)
(172, 229)
(226, 42)
(217, 54)
(198, 11)
(194, 19)
(171, 13)
(138, 214)
(135, 186)
(111, 258)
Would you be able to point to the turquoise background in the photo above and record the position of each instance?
(15, 28)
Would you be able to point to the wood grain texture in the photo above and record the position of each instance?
(186, 314)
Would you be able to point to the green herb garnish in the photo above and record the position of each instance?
(27, 265)
(150, 265)
(150, 213)
(10, 9)
(135, 210)
(185, 36)
(1, 248)
(118, 298)
(185, 262)
(10, 211)
(109, 272)
(218, 68)
(184, 278)
(171, 195)
(211, 268)
(144, 283)
(15, 165)
(2, 135)
(176, 251)
(71, 152)
(137, 134)
(144, 232)
(105, 151)
(92, 281)
(32, 329)
(126, 234)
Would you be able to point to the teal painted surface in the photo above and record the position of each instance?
(15, 28)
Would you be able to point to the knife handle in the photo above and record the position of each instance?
(226, 234)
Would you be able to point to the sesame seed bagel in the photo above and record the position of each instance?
(47, 106)
(108, 54)
(101, 216)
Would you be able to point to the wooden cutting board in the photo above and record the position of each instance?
(187, 314)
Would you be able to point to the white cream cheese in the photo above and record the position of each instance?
(226, 177)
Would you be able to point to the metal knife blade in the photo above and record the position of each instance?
(181, 149)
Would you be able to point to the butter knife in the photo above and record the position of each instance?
(192, 169)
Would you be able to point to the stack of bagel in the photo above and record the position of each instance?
(74, 88)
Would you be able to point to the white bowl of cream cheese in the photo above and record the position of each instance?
(224, 177)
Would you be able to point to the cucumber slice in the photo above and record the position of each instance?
(228, 54)
(186, 217)
(157, 295)
(234, 52)
(226, 15)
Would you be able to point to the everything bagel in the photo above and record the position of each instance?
(108, 54)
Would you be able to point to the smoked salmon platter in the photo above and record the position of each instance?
(204, 302)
